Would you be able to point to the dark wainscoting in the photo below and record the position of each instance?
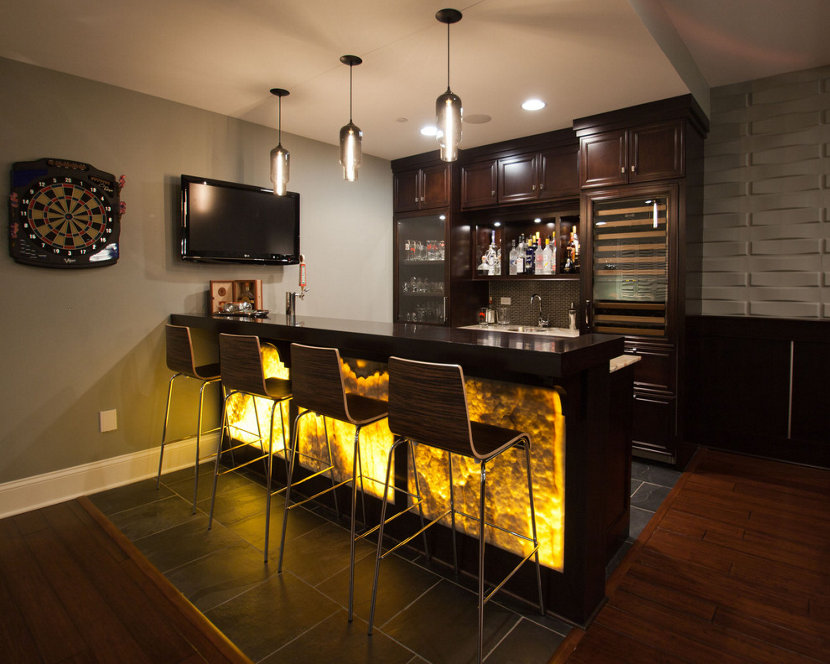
(759, 386)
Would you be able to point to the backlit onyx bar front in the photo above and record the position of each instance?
(578, 368)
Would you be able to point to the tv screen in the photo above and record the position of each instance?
(238, 223)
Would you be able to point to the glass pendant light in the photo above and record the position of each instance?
(351, 137)
(448, 105)
(279, 155)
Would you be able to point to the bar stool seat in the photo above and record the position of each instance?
(428, 406)
(180, 359)
(318, 386)
(240, 357)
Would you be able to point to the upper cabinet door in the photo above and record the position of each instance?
(558, 174)
(657, 152)
(478, 184)
(517, 178)
(407, 190)
(435, 186)
(422, 188)
(603, 159)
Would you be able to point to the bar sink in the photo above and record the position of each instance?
(527, 329)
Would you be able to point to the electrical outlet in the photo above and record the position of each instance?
(107, 420)
(504, 300)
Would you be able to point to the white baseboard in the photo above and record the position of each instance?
(31, 493)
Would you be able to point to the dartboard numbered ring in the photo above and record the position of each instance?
(66, 215)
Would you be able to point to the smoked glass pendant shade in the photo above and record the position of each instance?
(279, 155)
(351, 138)
(280, 159)
(351, 150)
(448, 120)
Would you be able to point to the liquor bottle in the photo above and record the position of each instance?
(513, 257)
(547, 258)
(530, 259)
(576, 251)
(538, 258)
(520, 256)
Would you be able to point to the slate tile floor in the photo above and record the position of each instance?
(300, 615)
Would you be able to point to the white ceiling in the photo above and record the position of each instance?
(581, 56)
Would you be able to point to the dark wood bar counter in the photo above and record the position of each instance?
(520, 374)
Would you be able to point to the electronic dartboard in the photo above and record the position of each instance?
(63, 214)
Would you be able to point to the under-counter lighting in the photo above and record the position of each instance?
(533, 105)
(497, 224)
(537, 220)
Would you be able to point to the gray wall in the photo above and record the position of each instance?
(766, 229)
(80, 341)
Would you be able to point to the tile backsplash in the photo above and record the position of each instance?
(556, 295)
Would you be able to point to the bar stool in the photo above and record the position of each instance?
(241, 362)
(180, 359)
(317, 379)
(428, 405)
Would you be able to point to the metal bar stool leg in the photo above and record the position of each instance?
(355, 466)
(482, 486)
(198, 441)
(452, 516)
(164, 429)
(269, 469)
(295, 438)
(331, 471)
(418, 498)
(218, 455)
(533, 525)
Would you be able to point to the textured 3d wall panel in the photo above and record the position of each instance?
(766, 225)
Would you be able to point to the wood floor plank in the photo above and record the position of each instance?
(734, 568)
(47, 619)
(16, 641)
(680, 632)
(124, 597)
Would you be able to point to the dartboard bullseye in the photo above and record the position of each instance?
(63, 214)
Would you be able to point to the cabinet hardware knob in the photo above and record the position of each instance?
(541, 186)
(492, 193)
(533, 187)
(622, 169)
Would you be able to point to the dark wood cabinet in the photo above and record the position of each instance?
(538, 176)
(641, 177)
(422, 188)
(478, 184)
(526, 170)
(644, 153)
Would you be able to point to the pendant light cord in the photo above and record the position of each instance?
(279, 120)
(448, 56)
(350, 93)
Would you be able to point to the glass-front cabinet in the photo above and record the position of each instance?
(528, 245)
(421, 268)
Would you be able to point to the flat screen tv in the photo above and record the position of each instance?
(238, 223)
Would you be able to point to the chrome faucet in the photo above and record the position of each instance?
(541, 321)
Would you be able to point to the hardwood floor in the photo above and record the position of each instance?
(73, 589)
(734, 568)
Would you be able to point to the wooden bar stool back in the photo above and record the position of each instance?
(428, 406)
(180, 360)
(240, 357)
(317, 378)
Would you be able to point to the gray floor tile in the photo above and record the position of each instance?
(649, 496)
(121, 498)
(271, 614)
(527, 643)
(337, 640)
(399, 584)
(655, 473)
(639, 519)
(221, 575)
(149, 518)
(185, 543)
(442, 626)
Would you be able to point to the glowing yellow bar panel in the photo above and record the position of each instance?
(535, 410)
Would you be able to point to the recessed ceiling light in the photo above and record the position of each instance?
(477, 118)
(533, 105)
(429, 130)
